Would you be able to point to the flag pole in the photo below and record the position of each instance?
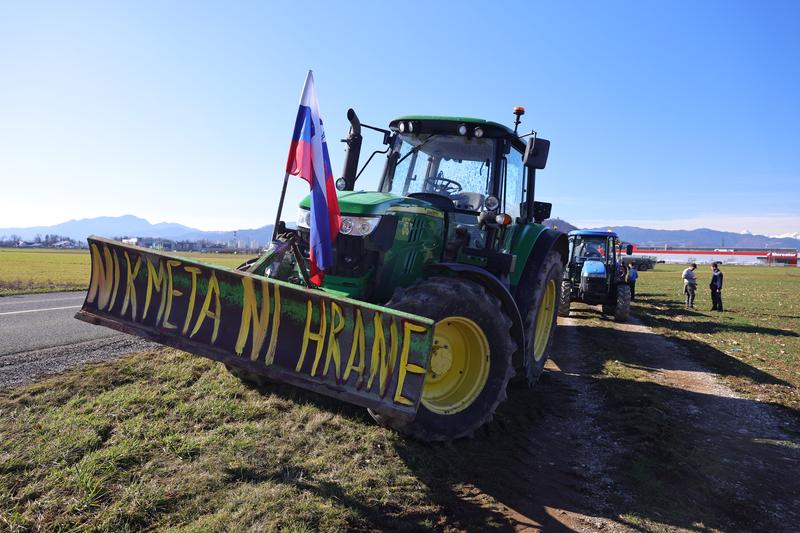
(280, 207)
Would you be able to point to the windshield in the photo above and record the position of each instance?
(450, 165)
(589, 247)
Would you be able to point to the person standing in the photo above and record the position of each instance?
(690, 285)
(716, 287)
(633, 275)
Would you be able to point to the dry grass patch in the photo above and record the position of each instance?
(25, 271)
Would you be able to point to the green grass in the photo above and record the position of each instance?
(754, 344)
(25, 271)
(172, 440)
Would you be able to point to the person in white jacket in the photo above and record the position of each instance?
(690, 285)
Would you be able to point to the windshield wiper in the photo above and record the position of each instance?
(415, 149)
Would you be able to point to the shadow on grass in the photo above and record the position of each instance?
(661, 315)
(676, 457)
(710, 357)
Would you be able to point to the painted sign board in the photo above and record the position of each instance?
(362, 353)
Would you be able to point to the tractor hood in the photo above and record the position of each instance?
(363, 203)
(593, 268)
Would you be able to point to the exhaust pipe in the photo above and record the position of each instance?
(352, 152)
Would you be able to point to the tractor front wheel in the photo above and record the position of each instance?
(566, 298)
(623, 308)
(542, 293)
(470, 362)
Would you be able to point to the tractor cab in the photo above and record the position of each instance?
(595, 274)
(452, 190)
(472, 170)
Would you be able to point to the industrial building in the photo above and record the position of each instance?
(743, 256)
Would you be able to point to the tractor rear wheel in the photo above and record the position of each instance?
(470, 362)
(623, 308)
(565, 299)
(542, 300)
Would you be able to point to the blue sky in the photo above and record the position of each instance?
(679, 114)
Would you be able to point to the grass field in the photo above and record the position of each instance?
(166, 440)
(754, 343)
(38, 270)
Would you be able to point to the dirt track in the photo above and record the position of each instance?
(668, 447)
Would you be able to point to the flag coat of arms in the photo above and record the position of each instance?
(309, 159)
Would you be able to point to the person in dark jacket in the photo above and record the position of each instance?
(716, 287)
(633, 275)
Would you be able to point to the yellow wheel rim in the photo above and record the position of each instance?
(543, 320)
(459, 366)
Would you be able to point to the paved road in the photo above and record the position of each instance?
(39, 335)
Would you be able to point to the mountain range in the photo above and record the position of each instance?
(132, 226)
(696, 238)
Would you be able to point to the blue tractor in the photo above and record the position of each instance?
(595, 274)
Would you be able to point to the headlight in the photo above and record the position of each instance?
(303, 218)
(491, 203)
(358, 226)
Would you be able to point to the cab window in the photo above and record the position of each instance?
(515, 178)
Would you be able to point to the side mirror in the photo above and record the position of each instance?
(629, 249)
(536, 153)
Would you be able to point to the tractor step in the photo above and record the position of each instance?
(364, 354)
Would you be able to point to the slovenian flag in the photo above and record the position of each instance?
(308, 158)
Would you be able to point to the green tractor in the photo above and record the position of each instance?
(444, 287)
(595, 274)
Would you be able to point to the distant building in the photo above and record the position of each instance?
(742, 256)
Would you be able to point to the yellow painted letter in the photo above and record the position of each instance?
(319, 337)
(159, 281)
(194, 271)
(359, 345)
(170, 293)
(130, 288)
(405, 366)
(251, 316)
(102, 276)
(205, 311)
(333, 352)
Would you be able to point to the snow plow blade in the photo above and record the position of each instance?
(364, 354)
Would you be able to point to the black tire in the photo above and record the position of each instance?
(565, 299)
(623, 308)
(439, 298)
(530, 295)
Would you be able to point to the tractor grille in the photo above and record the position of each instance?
(594, 285)
(352, 258)
(417, 227)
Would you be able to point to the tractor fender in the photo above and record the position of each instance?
(547, 240)
(495, 287)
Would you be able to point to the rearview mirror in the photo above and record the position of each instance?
(629, 249)
(536, 153)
